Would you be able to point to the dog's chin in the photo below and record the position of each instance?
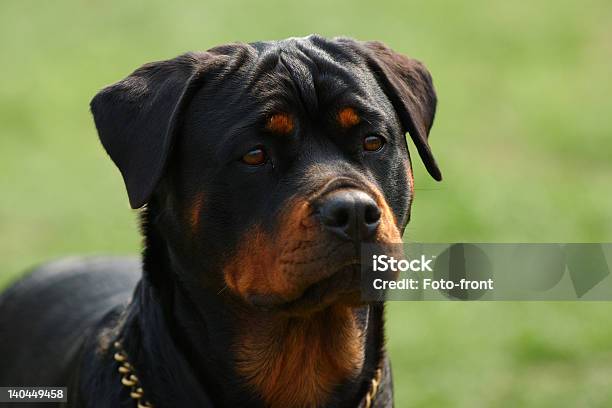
(341, 288)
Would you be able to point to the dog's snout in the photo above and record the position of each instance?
(350, 214)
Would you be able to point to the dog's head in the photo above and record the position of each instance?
(271, 163)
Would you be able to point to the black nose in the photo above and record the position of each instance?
(350, 214)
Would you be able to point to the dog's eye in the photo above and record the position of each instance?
(373, 143)
(255, 157)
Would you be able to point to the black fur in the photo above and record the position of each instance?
(177, 129)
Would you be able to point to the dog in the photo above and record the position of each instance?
(260, 169)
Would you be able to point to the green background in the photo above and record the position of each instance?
(522, 135)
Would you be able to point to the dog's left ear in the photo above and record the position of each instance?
(409, 86)
(138, 117)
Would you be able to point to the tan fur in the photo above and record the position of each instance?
(262, 264)
(295, 256)
(281, 123)
(387, 230)
(297, 362)
(347, 117)
(195, 212)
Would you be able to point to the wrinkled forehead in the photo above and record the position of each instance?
(308, 78)
(313, 75)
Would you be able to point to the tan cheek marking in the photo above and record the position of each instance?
(347, 117)
(410, 179)
(256, 267)
(388, 231)
(195, 211)
(281, 123)
(252, 269)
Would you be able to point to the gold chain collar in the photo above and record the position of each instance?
(130, 380)
(371, 395)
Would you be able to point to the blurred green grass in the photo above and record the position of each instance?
(522, 134)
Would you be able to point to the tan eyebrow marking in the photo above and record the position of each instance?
(281, 123)
(347, 117)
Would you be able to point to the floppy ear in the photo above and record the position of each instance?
(138, 117)
(409, 86)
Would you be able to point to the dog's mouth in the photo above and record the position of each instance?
(342, 286)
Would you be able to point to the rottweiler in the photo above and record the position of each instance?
(260, 170)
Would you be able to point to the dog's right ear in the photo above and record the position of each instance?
(138, 117)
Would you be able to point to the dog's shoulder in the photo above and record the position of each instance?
(45, 316)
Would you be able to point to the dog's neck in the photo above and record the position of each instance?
(236, 356)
